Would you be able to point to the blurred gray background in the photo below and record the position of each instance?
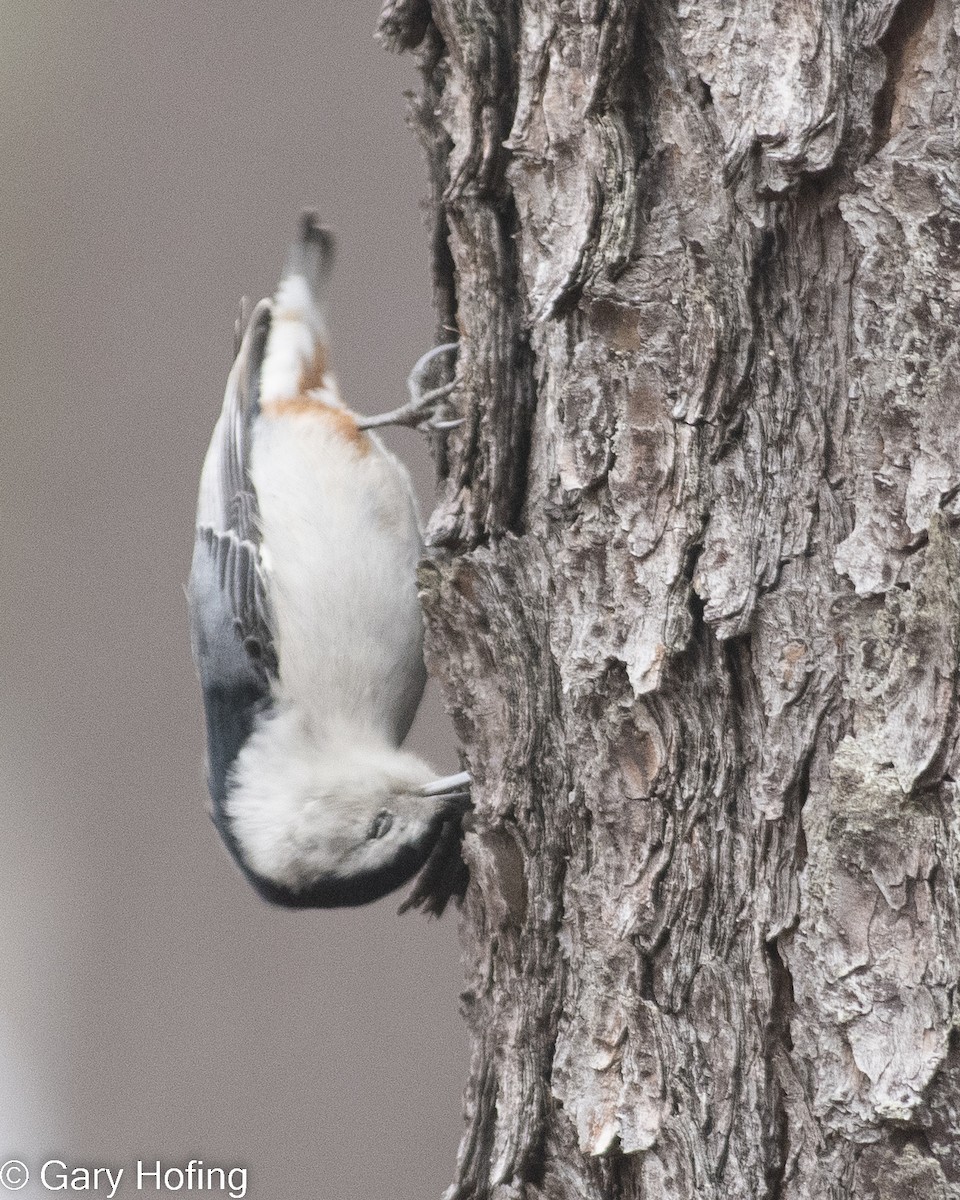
(155, 158)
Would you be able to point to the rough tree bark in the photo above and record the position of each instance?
(693, 588)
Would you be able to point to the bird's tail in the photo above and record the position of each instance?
(296, 355)
(312, 255)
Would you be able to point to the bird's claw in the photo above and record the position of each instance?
(425, 409)
(431, 408)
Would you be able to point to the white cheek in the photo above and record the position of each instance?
(285, 831)
(269, 829)
(301, 810)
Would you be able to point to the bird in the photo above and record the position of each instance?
(305, 623)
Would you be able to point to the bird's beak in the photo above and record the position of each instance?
(454, 789)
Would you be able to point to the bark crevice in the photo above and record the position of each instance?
(899, 46)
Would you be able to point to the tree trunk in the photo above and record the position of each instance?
(694, 588)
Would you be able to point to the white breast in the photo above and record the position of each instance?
(341, 540)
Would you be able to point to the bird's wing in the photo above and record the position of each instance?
(227, 518)
(230, 625)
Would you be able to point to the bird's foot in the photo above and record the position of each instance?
(426, 408)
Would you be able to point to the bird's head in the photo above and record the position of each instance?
(315, 827)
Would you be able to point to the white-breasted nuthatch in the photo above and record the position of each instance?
(306, 627)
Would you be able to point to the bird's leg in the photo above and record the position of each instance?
(423, 409)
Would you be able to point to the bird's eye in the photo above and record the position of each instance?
(380, 824)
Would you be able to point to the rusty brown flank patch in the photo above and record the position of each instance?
(304, 405)
(341, 421)
(316, 369)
